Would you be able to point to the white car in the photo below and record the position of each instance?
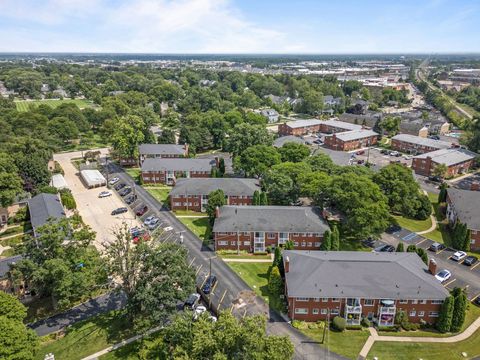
(104, 194)
(153, 224)
(149, 219)
(393, 153)
(443, 275)
(114, 181)
(459, 256)
(408, 157)
(168, 228)
(199, 310)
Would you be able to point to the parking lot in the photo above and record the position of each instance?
(374, 156)
(465, 277)
(466, 183)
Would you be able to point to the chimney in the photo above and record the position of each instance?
(287, 264)
(475, 186)
(217, 212)
(432, 266)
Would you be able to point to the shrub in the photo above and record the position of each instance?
(301, 325)
(395, 328)
(339, 323)
(275, 283)
(67, 200)
(354, 327)
(365, 322)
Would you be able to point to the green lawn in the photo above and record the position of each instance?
(244, 256)
(18, 239)
(24, 105)
(347, 343)
(11, 231)
(8, 252)
(134, 172)
(256, 276)
(189, 213)
(412, 224)
(160, 194)
(199, 226)
(127, 352)
(86, 338)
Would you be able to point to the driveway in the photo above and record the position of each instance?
(94, 211)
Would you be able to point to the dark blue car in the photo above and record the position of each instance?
(209, 284)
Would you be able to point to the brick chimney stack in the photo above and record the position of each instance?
(432, 266)
(475, 186)
(287, 264)
(217, 212)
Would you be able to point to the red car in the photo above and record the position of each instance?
(141, 210)
(360, 152)
(141, 236)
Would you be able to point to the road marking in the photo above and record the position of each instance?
(231, 308)
(448, 283)
(214, 287)
(474, 266)
(445, 248)
(424, 239)
(221, 299)
(199, 270)
(245, 313)
(473, 298)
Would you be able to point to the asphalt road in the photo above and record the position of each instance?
(231, 291)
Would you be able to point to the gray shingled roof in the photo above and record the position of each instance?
(204, 186)
(44, 206)
(270, 219)
(303, 123)
(422, 141)
(355, 134)
(279, 142)
(179, 164)
(343, 274)
(448, 157)
(466, 204)
(150, 149)
(342, 124)
(5, 264)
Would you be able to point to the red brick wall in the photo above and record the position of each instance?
(426, 166)
(160, 176)
(196, 201)
(475, 237)
(332, 142)
(284, 129)
(329, 305)
(404, 146)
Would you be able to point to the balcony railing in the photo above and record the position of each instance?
(354, 309)
(387, 310)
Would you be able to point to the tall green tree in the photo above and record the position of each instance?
(257, 160)
(127, 135)
(444, 322)
(242, 136)
(327, 241)
(335, 239)
(294, 152)
(459, 309)
(216, 199)
(400, 247)
(166, 137)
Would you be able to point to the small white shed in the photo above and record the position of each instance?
(58, 182)
(93, 178)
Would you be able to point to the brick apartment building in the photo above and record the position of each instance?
(321, 285)
(299, 127)
(351, 140)
(157, 151)
(458, 161)
(335, 126)
(192, 194)
(463, 205)
(167, 171)
(258, 227)
(417, 145)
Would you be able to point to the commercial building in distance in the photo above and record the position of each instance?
(351, 140)
(463, 205)
(192, 194)
(458, 161)
(320, 285)
(417, 145)
(167, 171)
(254, 228)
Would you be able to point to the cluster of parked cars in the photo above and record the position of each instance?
(193, 303)
(152, 222)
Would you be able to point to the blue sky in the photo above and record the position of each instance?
(242, 26)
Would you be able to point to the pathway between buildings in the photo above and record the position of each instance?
(451, 339)
(434, 221)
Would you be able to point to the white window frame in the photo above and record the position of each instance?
(301, 311)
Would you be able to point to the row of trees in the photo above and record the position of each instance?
(452, 314)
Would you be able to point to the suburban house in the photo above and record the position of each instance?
(254, 228)
(147, 151)
(271, 115)
(351, 140)
(334, 126)
(44, 207)
(167, 171)
(299, 127)
(320, 285)
(329, 100)
(458, 161)
(463, 205)
(282, 140)
(370, 119)
(416, 144)
(192, 194)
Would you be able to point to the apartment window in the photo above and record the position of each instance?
(315, 311)
(368, 302)
(423, 302)
(403, 301)
(295, 244)
(437, 302)
(271, 235)
(245, 233)
(433, 314)
(301, 311)
(304, 244)
(301, 299)
(317, 244)
(413, 313)
(309, 244)
(335, 299)
(233, 243)
(421, 313)
(316, 299)
(177, 204)
(324, 311)
(414, 302)
(223, 243)
(334, 312)
(309, 234)
(246, 243)
(324, 299)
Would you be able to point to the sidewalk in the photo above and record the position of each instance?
(247, 260)
(434, 221)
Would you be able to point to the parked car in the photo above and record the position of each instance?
(131, 199)
(125, 191)
(318, 142)
(120, 210)
(114, 181)
(443, 275)
(459, 256)
(393, 229)
(209, 284)
(436, 247)
(360, 162)
(360, 152)
(119, 186)
(470, 260)
(385, 248)
(192, 301)
(437, 179)
(384, 151)
(104, 194)
(434, 137)
(154, 224)
(408, 157)
(149, 219)
(141, 210)
(477, 301)
(394, 153)
(199, 310)
(370, 242)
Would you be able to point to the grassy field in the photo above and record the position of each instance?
(245, 256)
(412, 224)
(199, 226)
(347, 343)
(256, 276)
(86, 338)
(134, 172)
(24, 105)
(189, 213)
(161, 194)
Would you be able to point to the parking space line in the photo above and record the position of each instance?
(221, 299)
(204, 281)
(214, 287)
(474, 266)
(438, 252)
(231, 308)
(449, 257)
(475, 296)
(198, 270)
(424, 239)
(448, 283)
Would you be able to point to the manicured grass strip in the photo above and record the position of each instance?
(87, 337)
(199, 226)
(412, 224)
(160, 194)
(24, 105)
